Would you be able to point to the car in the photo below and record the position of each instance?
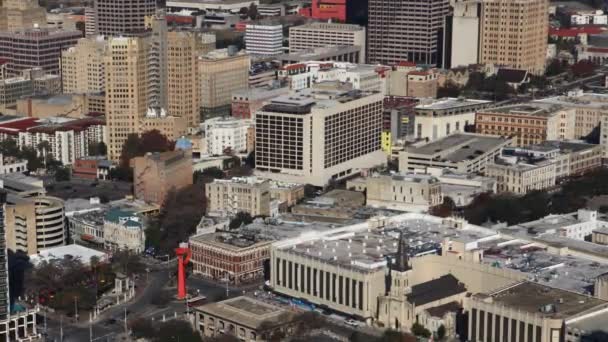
(352, 322)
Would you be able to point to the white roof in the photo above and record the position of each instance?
(76, 251)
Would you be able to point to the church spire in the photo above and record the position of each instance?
(402, 260)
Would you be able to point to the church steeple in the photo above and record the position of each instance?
(402, 262)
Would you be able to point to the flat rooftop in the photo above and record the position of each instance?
(586, 100)
(449, 103)
(459, 147)
(529, 109)
(249, 312)
(548, 301)
(365, 249)
(322, 96)
(329, 27)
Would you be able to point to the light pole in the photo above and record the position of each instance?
(60, 328)
(76, 308)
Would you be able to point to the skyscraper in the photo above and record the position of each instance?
(126, 90)
(514, 33)
(122, 17)
(21, 14)
(409, 30)
(82, 67)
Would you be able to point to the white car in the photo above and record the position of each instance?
(352, 322)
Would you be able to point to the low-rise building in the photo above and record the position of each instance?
(92, 168)
(245, 318)
(226, 133)
(11, 165)
(462, 152)
(288, 194)
(404, 192)
(335, 206)
(124, 230)
(522, 176)
(436, 119)
(528, 124)
(337, 53)
(246, 194)
(156, 174)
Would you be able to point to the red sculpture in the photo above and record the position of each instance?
(183, 258)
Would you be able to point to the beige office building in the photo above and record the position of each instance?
(183, 92)
(408, 192)
(315, 35)
(21, 14)
(82, 67)
(155, 175)
(221, 72)
(126, 90)
(34, 223)
(228, 197)
(523, 177)
(514, 34)
(320, 134)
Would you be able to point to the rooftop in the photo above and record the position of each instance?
(459, 147)
(74, 251)
(329, 27)
(249, 312)
(544, 300)
(434, 290)
(578, 99)
(323, 96)
(449, 103)
(528, 109)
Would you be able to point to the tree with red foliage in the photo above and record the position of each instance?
(149, 141)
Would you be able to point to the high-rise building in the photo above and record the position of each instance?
(126, 90)
(82, 67)
(319, 135)
(122, 17)
(221, 73)
(35, 48)
(4, 299)
(90, 21)
(408, 30)
(315, 35)
(462, 34)
(183, 92)
(514, 34)
(264, 40)
(21, 14)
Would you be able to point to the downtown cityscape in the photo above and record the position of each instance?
(304, 170)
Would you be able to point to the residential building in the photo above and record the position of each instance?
(528, 124)
(11, 165)
(403, 192)
(221, 72)
(319, 34)
(461, 152)
(246, 102)
(156, 174)
(34, 223)
(92, 168)
(125, 73)
(339, 126)
(522, 176)
(124, 230)
(439, 118)
(222, 256)
(223, 134)
(122, 17)
(35, 48)
(21, 14)
(90, 22)
(67, 140)
(230, 196)
(406, 31)
(529, 311)
(264, 39)
(526, 46)
(248, 319)
(82, 66)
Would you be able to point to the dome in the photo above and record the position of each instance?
(183, 144)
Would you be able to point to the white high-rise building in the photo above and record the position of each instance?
(319, 134)
(264, 40)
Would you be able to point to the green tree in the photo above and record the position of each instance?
(419, 330)
(63, 174)
(441, 332)
(241, 218)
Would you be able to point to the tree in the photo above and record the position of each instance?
(445, 209)
(391, 335)
(98, 149)
(441, 332)
(241, 218)
(63, 174)
(449, 89)
(127, 262)
(419, 330)
(253, 11)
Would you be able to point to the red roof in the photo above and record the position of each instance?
(406, 64)
(596, 49)
(294, 66)
(17, 125)
(74, 125)
(573, 32)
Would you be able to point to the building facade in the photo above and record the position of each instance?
(82, 67)
(525, 44)
(226, 133)
(124, 230)
(522, 177)
(122, 17)
(230, 196)
(156, 174)
(264, 40)
(21, 14)
(314, 35)
(408, 192)
(406, 31)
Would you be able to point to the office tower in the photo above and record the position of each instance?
(462, 34)
(264, 40)
(221, 73)
(35, 48)
(90, 21)
(514, 33)
(407, 30)
(123, 17)
(315, 35)
(21, 14)
(82, 67)
(183, 85)
(126, 90)
(157, 60)
(319, 135)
